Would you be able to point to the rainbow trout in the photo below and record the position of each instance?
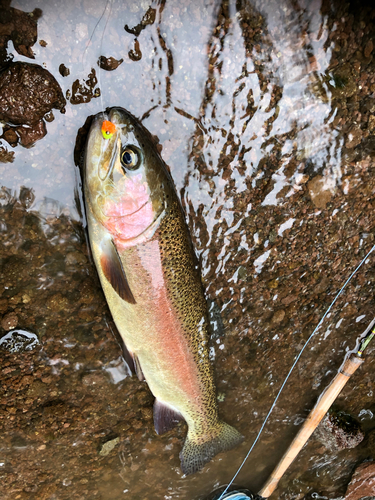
(147, 268)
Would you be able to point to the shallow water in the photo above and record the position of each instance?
(265, 112)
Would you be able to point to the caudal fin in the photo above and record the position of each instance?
(195, 455)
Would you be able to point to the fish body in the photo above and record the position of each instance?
(148, 271)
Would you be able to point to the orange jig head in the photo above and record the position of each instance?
(108, 129)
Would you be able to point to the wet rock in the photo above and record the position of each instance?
(37, 389)
(85, 91)
(6, 156)
(354, 137)
(19, 27)
(362, 484)
(273, 284)
(148, 18)
(368, 49)
(29, 135)
(320, 193)
(9, 135)
(13, 268)
(26, 197)
(18, 441)
(95, 378)
(108, 447)
(19, 340)
(63, 70)
(9, 321)
(338, 431)
(278, 317)
(322, 286)
(135, 54)
(3, 305)
(57, 302)
(75, 259)
(109, 63)
(344, 82)
(27, 93)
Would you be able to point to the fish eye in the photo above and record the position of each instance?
(129, 158)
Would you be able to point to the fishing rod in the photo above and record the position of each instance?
(352, 362)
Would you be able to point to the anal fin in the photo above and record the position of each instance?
(113, 270)
(165, 418)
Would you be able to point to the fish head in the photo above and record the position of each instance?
(126, 182)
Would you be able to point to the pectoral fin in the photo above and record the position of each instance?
(114, 272)
(138, 369)
(165, 418)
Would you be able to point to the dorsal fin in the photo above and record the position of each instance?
(113, 270)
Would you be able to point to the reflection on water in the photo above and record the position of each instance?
(265, 114)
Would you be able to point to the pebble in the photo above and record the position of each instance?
(108, 447)
(362, 483)
(320, 193)
(9, 321)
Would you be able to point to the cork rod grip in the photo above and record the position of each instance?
(315, 416)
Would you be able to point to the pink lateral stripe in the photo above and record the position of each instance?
(170, 334)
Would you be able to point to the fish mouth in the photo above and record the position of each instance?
(138, 209)
(126, 214)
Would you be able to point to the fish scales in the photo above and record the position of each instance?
(149, 274)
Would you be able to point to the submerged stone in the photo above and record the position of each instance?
(362, 484)
(108, 447)
(19, 341)
(339, 430)
(27, 93)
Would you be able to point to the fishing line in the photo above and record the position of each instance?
(291, 370)
(93, 32)
(109, 2)
(101, 49)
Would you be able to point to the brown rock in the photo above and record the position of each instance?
(46, 491)
(109, 63)
(3, 305)
(354, 137)
(20, 27)
(10, 136)
(278, 316)
(63, 70)
(84, 91)
(28, 136)
(27, 380)
(339, 430)
(57, 302)
(27, 93)
(95, 378)
(319, 192)
(6, 156)
(135, 54)
(37, 389)
(322, 286)
(368, 49)
(9, 321)
(362, 484)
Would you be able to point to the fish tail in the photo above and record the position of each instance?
(197, 452)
